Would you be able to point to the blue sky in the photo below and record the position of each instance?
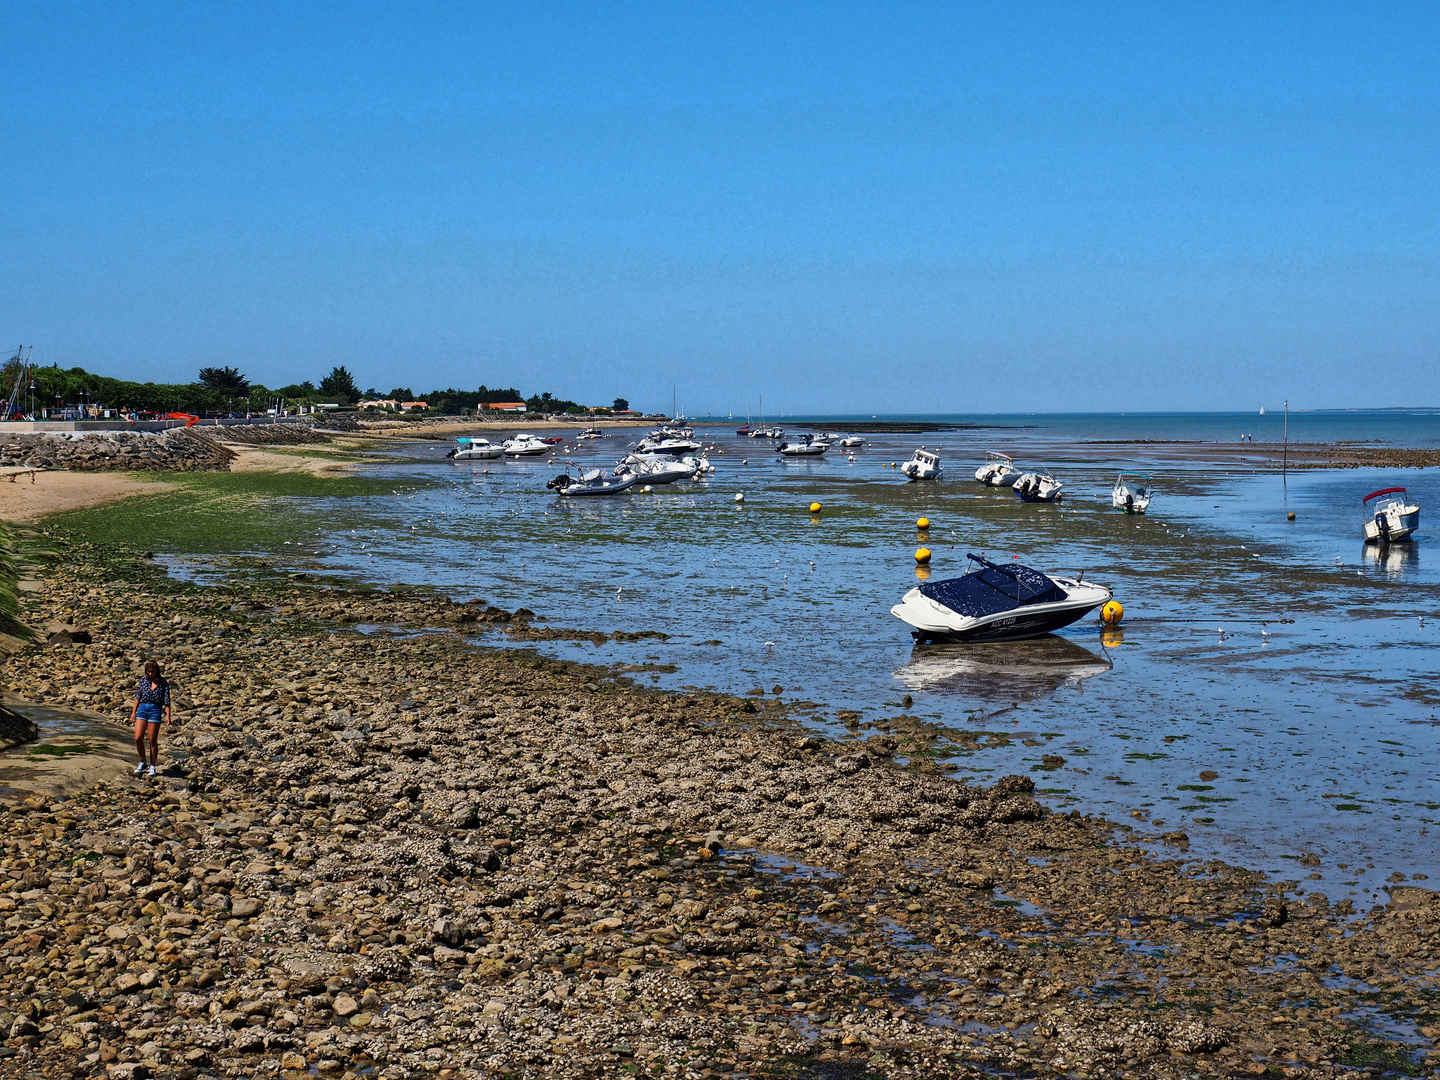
(844, 208)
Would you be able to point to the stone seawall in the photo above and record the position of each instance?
(177, 450)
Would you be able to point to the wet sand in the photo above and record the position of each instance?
(404, 854)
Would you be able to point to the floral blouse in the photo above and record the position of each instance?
(153, 693)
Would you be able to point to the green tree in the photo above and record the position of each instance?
(339, 384)
(226, 380)
(621, 405)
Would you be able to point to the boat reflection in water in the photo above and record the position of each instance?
(1394, 560)
(1003, 671)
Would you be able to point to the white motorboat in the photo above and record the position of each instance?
(802, 446)
(996, 603)
(923, 465)
(851, 442)
(1393, 518)
(657, 470)
(998, 470)
(591, 433)
(468, 449)
(523, 445)
(1038, 486)
(1131, 494)
(671, 445)
(590, 482)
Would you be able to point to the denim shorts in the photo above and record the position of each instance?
(149, 712)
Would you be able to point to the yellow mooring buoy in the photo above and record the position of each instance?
(1112, 613)
(814, 508)
(922, 523)
(922, 555)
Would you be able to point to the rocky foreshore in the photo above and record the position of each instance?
(404, 854)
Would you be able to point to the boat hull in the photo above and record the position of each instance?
(1399, 527)
(934, 622)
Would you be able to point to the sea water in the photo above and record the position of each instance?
(1288, 658)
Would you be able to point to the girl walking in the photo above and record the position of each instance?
(152, 695)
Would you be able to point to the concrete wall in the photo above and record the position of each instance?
(25, 427)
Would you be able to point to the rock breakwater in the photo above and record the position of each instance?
(176, 450)
(405, 855)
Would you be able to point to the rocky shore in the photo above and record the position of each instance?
(404, 854)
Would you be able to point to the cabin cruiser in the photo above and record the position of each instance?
(468, 449)
(803, 446)
(657, 469)
(996, 603)
(1130, 494)
(667, 441)
(522, 445)
(851, 442)
(998, 470)
(1038, 486)
(923, 465)
(590, 482)
(1391, 519)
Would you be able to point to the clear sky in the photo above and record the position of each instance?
(844, 208)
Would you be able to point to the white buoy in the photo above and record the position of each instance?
(739, 496)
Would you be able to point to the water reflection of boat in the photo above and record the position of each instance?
(996, 672)
(1393, 559)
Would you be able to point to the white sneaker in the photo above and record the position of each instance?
(140, 769)
(150, 771)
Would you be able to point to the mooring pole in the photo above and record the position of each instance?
(1285, 453)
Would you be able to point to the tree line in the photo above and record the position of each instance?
(220, 390)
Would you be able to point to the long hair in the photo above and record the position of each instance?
(153, 673)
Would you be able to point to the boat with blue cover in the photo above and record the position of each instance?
(997, 602)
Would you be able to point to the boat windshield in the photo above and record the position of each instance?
(993, 589)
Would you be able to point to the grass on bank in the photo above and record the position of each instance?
(223, 513)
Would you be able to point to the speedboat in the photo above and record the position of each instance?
(468, 449)
(657, 470)
(553, 440)
(1391, 519)
(1130, 495)
(590, 482)
(1038, 486)
(851, 442)
(661, 443)
(996, 603)
(998, 470)
(523, 445)
(803, 446)
(923, 465)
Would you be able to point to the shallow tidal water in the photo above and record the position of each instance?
(1284, 657)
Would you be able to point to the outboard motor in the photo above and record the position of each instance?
(560, 483)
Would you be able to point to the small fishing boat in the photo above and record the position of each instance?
(923, 465)
(1130, 494)
(468, 449)
(802, 446)
(1038, 486)
(1394, 518)
(590, 482)
(851, 442)
(592, 433)
(998, 470)
(996, 603)
(523, 445)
